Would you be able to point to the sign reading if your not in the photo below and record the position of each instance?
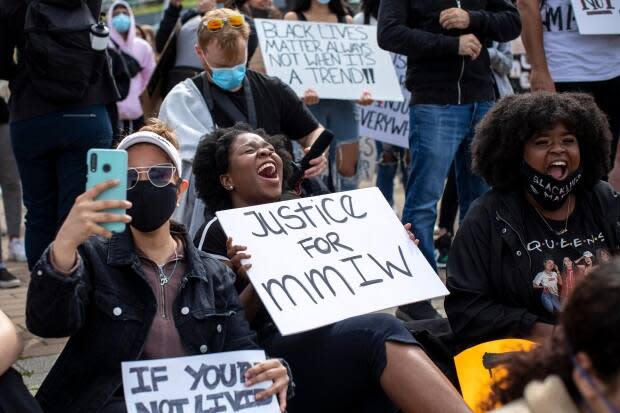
(338, 61)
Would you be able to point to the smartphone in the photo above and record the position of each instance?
(104, 165)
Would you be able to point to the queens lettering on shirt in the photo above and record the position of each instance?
(562, 243)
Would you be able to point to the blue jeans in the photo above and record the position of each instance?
(550, 302)
(339, 116)
(390, 159)
(440, 134)
(51, 157)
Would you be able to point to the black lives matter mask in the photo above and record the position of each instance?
(151, 206)
(548, 192)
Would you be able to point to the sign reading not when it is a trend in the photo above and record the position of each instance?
(319, 260)
(338, 61)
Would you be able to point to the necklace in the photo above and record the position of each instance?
(163, 278)
(562, 231)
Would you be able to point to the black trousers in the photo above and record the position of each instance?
(606, 95)
(14, 396)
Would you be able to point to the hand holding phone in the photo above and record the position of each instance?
(86, 218)
(105, 165)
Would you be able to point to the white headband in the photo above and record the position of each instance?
(154, 139)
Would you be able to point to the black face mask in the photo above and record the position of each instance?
(151, 206)
(548, 192)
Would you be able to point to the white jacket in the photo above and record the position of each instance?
(186, 112)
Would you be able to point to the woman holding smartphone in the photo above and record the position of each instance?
(145, 293)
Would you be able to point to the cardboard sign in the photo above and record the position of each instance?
(480, 366)
(339, 61)
(597, 16)
(207, 383)
(388, 121)
(323, 259)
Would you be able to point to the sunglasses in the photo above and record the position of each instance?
(159, 175)
(217, 23)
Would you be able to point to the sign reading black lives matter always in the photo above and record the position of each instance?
(339, 61)
(597, 16)
(323, 259)
(388, 121)
(206, 383)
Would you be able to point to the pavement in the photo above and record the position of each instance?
(40, 353)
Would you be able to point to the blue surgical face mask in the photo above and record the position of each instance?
(228, 78)
(121, 23)
(324, 1)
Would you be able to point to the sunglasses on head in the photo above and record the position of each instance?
(158, 175)
(217, 23)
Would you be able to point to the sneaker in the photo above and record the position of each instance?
(441, 257)
(17, 252)
(8, 280)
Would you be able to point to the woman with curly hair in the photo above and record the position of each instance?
(369, 363)
(544, 156)
(579, 369)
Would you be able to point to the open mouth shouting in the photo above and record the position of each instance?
(269, 171)
(558, 170)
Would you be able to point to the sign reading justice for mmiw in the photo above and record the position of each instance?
(323, 259)
(339, 61)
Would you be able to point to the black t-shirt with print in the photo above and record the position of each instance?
(561, 260)
(278, 109)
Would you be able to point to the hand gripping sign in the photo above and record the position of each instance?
(319, 260)
(339, 61)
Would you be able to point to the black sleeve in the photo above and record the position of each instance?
(213, 239)
(253, 40)
(166, 26)
(475, 312)
(394, 34)
(95, 8)
(297, 121)
(12, 15)
(499, 21)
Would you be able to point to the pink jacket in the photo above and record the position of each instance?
(131, 108)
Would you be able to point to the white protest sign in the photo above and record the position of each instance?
(597, 16)
(323, 259)
(388, 121)
(339, 61)
(206, 383)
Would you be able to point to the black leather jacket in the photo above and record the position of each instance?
(490, 268)
(107, 308)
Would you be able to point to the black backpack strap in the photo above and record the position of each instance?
(202, 83)
(366, 18)
(301, 16)
(215, 95)
(342, 19)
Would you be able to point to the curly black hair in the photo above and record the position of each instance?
(212, 160)
(590, 323)
(497, 148)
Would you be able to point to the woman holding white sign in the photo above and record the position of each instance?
(339, 116)
(368, 363)
(142, 294)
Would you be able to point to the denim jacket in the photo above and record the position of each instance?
(107, 307)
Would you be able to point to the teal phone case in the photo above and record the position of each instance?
(104, 165)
